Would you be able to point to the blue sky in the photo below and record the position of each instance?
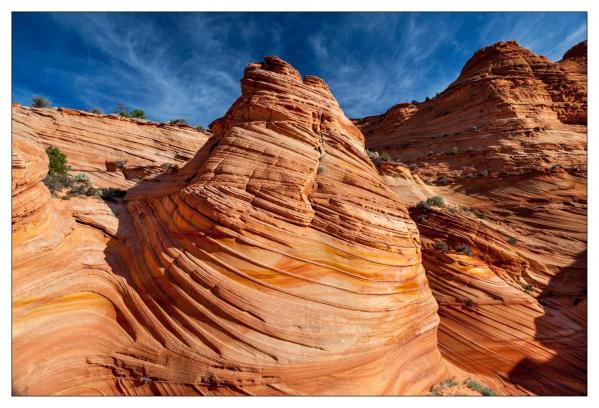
(188, 65)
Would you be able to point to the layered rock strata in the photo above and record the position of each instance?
(285, 265)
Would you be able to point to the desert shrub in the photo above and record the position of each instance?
(430, 153)
(465, 249)
(321, 169)
(40, 102)
(177, 122)
(455, 150)
(484, 173)
(80, 185)
(97, 111)
(170, 168)
(470, 149)
(423, 205)
(475, 128)
(121, 110)
(385, 157)
(200, 128)
(413, 166)
(512, 241)
(57, 177)
(441, 180)
(481, 215)
(137, 114)
(476, 386)
(57, 161)
(414, 102)
(436, 389)
(436, 201)
(427, 99)
(120, 164)
(374, 156)
(442, 245)
(528, 288)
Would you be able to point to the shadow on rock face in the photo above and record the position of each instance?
(563, 329)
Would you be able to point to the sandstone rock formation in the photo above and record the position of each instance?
(516, 307)
(113, 151)
(285, 265)
(510, 112)
(278, 259)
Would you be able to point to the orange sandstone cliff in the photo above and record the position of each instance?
(505, 255)
(276, 261)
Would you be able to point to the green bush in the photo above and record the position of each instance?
(436, 389)
(476, 386)
(57, 164)
(385, 157)
(96, 111)
(170, 168)
(442, 245)
(121, 110)
(436, 201)
(138, 114)
(512, 241)
(40, 102)
(455, 150)
(484, 173)
(374, 156)
(465, 249)
(200, 128)
(528, 288)
(178, 122)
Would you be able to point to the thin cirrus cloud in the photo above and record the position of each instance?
(188, 65)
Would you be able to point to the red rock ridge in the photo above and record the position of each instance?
(282, 265)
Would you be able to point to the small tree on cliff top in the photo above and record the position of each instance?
(40, 102)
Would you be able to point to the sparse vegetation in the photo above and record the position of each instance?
(484, 173)
(436, 389)
(475, 129)
(58, 179)
(512, 241)
(40, 102)
(96, 111)
(476, 386)
(386, 157)
(321, 169)
(121, 110)
(481, 215)
(137, 114)
(427, 99)
(455, 150)
(413, 166)
(465, 249)
(170, 168)
(120, 164)
(200, 128)
(528, 288)
(442, 245)
(441, 180)
(178, 122)
(436, 201)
